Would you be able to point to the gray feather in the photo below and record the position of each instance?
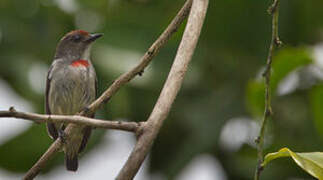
(69, 90)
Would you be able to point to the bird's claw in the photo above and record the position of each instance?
(62, 135)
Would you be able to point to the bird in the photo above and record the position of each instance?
(71, 86)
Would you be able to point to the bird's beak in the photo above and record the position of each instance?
(93, 37)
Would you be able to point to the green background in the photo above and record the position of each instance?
(222, 87)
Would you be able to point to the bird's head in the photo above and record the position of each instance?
(76, 44)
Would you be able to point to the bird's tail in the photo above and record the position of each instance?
(71, 162)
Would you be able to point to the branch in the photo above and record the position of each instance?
(275, 42)
(51, 151)
(169, 92)
(76, 119)
(145, 60)
(116, 85)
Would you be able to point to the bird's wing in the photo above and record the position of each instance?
(51, 129)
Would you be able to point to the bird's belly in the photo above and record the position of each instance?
(71, 93)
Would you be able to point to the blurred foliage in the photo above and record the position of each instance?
(316, 99)
(223, 81)
(286, 61)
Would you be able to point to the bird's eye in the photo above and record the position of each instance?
(77, 38)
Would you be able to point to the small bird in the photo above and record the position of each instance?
(71, 86)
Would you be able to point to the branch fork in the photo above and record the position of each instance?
(147, 131)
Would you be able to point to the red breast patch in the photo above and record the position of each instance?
(80, 62)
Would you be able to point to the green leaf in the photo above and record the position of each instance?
(286, 61)
(311, 162)
(255, 97)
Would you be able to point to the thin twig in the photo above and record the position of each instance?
(117, 84)
(275, 42)
(169, 92)
(76, 119)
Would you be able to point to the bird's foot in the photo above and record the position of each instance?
(86, 110)
(62, 135)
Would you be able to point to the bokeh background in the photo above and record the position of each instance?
(210, 131)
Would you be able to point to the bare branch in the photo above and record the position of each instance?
(76, 119)
(117, 84)
(275, 42)
(51, 151)
(169, 92)
(145, 60)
